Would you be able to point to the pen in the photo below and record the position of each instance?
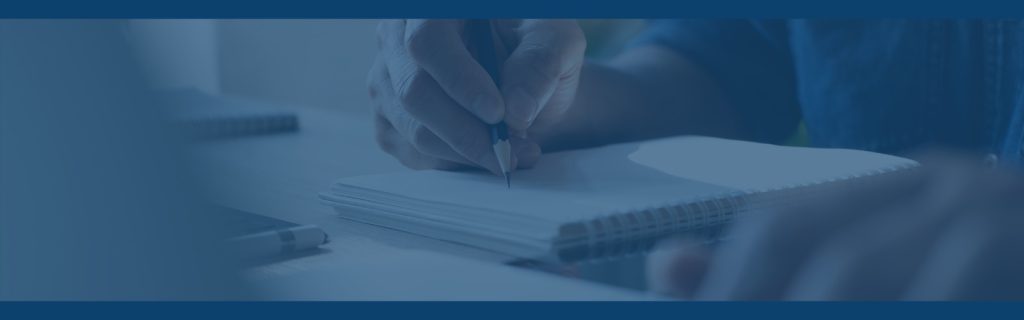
(274, 242)
(480, 33)
(251, 236)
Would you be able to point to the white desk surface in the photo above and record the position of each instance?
(280, 175)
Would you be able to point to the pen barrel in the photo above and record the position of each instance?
(499, 132)
(482, 44)
(483, 47)
(277, 242)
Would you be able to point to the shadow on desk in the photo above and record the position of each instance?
(286, 257)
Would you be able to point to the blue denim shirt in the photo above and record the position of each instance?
(882, 85)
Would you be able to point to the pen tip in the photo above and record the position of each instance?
(508, 181)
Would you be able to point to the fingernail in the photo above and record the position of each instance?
(520, 109)
(487, 108)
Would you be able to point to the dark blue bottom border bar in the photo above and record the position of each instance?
(515, 310)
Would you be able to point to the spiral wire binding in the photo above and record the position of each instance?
(637, 231)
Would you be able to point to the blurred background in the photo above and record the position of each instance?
(296, 63)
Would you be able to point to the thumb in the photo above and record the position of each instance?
(546, 53)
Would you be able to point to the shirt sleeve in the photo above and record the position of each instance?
(749, 60)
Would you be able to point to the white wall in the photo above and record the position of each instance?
(178, 53)
(302, 63)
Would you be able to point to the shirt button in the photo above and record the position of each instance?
(991, 160)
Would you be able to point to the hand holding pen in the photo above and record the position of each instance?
(480, 34)
(437, 106)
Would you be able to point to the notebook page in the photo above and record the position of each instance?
(562, 187)
(754, 166)
(588, 185)
(578, 185)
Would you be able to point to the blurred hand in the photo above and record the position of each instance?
(433, 101)
(952, 232)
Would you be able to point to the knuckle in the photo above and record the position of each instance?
(573, 37)
(541, 55)
(375, 78)
(371, 76)
(542, 62)
(419, 41)
(412, 89)
(384, 141)
(421, 137)
(380, 110)
(372, 91)
(528, 104)
(380, 106)
(579, 47)
(371, 87)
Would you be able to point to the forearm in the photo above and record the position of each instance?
(642, 94)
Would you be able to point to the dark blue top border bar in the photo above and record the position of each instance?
(511, 9)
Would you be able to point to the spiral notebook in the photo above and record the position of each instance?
(605, 201)
(203, 116)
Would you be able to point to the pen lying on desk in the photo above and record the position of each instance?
(480, 34)
(277, 242)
